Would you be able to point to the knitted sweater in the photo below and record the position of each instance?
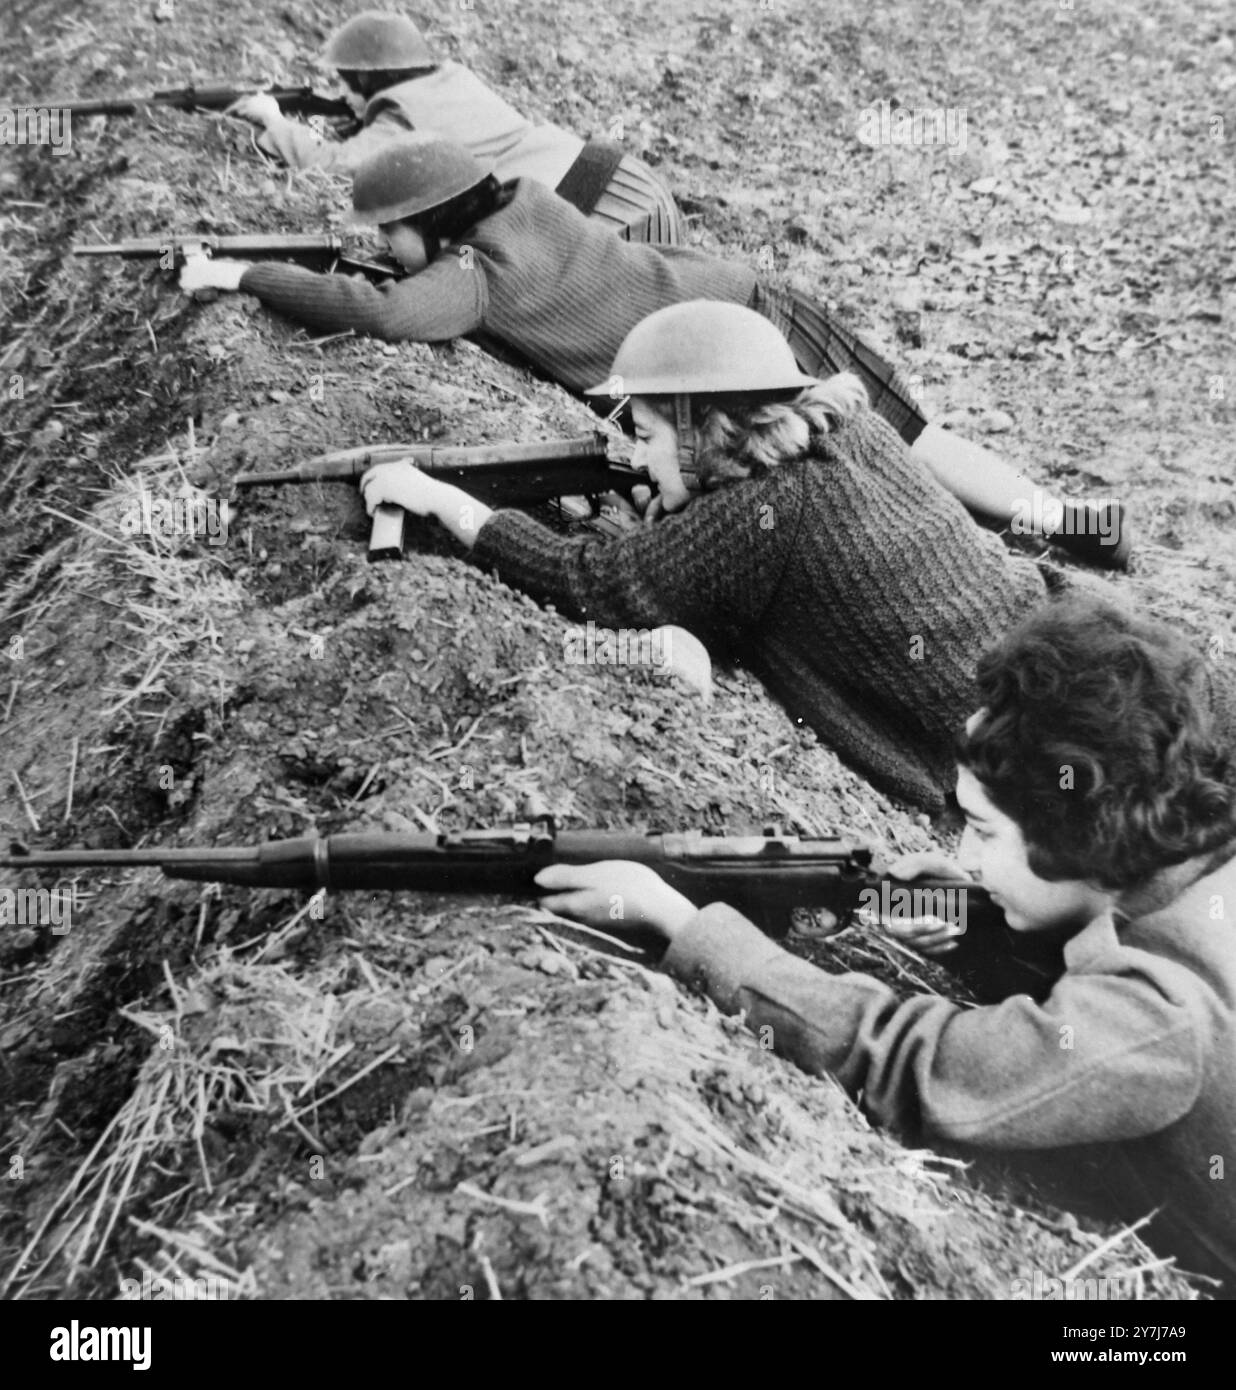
(1148, 997)
(453, 102)
(853, 585)
(536, 274)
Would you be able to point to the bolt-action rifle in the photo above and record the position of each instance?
(323, 250)
(501, 475)
(764, 876)
(299, 101)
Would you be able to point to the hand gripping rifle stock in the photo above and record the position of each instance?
(500, 475)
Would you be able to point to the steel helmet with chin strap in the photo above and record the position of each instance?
(411, 176)
(378, 42)
(702, 347)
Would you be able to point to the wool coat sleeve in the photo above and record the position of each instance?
(1115, 1051)
(300, 147)
(446, 300)
(713, 567)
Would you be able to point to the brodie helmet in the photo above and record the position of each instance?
(375, 42)
(411, 176)
(701, 348)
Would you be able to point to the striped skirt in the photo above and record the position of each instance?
(639, 206)
(823, 348)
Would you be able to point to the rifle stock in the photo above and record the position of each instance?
(498, 474)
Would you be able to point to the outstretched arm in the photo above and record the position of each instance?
(442, 302)
(712, 568)
(1111, 1054)
(301, 147)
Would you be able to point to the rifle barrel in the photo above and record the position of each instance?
(120, 248)
(216, 97)
(99, 106)
(167, 859)
(276, 243)
(510, 472)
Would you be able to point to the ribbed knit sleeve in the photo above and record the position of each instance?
(446, 300)
(565, 292)
(712, 568)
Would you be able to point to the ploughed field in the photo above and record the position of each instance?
(442, 1097)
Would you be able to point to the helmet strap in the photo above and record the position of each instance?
(686, 443)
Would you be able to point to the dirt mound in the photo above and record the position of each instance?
(401, 1095)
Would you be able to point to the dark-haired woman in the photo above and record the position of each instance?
(1096, 780)
(521, 266)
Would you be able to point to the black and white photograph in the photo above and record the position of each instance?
(617, 664)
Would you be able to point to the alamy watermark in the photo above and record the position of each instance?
(151, 1287)
(37, 125)
(38, 907)
(904, 903)
(624, 646)
(1052, 1288)
(1041, 514)
(187, 513)
(925, 127)
(88, 1343)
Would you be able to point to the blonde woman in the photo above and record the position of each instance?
(791, 531)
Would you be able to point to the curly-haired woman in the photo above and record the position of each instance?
(1096, 780)
(792, 532)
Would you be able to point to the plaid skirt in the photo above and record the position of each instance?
(639, 206)
(823, 348)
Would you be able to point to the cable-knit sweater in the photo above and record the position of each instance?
(536, 274)
(853, 585)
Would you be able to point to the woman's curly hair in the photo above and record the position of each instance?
(1097, 736)
(738, 436)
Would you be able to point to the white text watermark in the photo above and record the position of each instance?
(38, 907)
(892, 902)
(935, 127)
(186, 513)
(1041, 514)
(37, 125)
(625, 646)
